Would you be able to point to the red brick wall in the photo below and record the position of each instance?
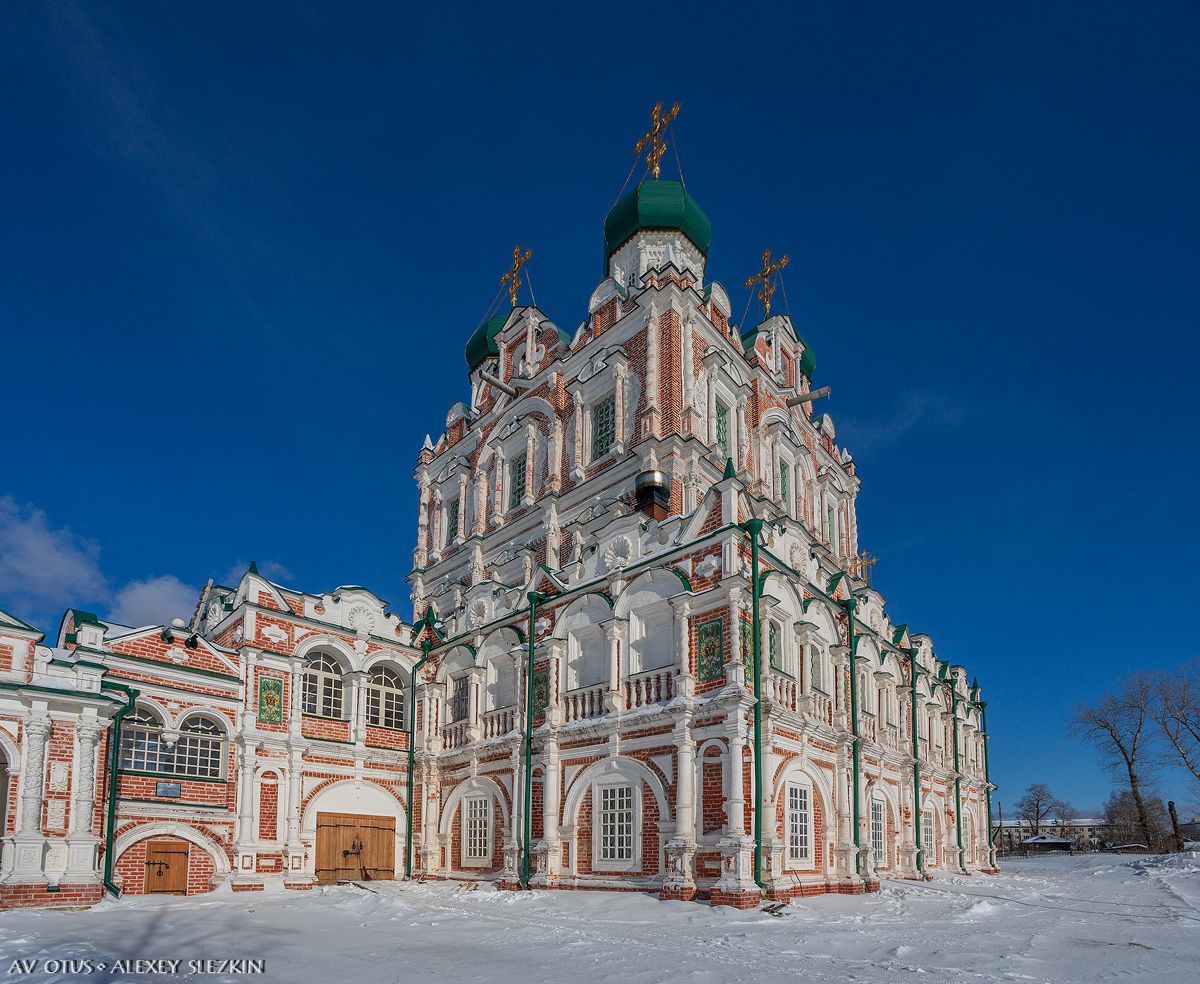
(131, 867)
(268, 807)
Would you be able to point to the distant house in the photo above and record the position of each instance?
(1085, 833)
(1046, 843)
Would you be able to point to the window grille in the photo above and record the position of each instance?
(199, 750)
(878, 828)
(927, 845)
(478, 828)
(141, 744)
(785, 484)
(604, 426)
(774, 646)
(516, 480)
(616, 823)
(451, 521)
(324, 691)
(799, 814)
(723, 430)
(385, 699)
(460, 700)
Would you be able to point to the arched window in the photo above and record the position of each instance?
(142, 747)
(799, 826)
(651, 643)
(385, 698)
(501, 683)
(324, 688)
(587, 658)
(878, 833)
(200, 749)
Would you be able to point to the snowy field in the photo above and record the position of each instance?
(1095, 918)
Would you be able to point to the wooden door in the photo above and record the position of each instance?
(167, 867)
(351, 847)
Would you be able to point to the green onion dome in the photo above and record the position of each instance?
(656, 205)
(481, 346)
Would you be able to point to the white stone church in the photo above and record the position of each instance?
(644, 653)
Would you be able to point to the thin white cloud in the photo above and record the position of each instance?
(154, 601)
(41, 565)
(913, 410)
(270, 569)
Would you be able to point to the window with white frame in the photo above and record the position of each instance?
(774, 646)
(460, 698)
(616, 833)
(587, 658)
(199, 750)
(604, 425)
(516, 479)
(799, 823)
(723, 434)
(385, 698)
(815, 670)
(927, 844)
(142, 747)
(650, 641)
(324, 688)
(878, 832)
(477, 830)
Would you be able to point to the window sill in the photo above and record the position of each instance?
(323, 717)
(170, 776)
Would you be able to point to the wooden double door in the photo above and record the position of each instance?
(167, 867)
(352, 847)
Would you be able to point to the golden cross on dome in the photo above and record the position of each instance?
(513, 277)
(658, 123)
(768, 279)
(860, 566)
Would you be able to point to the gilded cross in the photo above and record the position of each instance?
(768, 279)
(658, 123)
(513, 277)
(860, 566)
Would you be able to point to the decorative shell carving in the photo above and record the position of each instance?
(618, 554)
(361, 619)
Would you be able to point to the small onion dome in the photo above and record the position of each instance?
(656, 205)
(481, 346)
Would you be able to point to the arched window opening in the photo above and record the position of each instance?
(142, 748)
(799, 823)
(385, 699)
(587, 658)
(200, 749)
(651, 643)
(324, 687)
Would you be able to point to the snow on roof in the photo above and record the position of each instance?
(1046, 839)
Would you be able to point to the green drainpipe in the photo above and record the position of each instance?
(850, 604)
(534, 598)
(114, 765)
(754, 528)
(987, 783)
(426, 645)
(957, 779)
(916, 751)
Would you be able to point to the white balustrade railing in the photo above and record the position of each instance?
(823, 707)
(586, 702)
(782, 690)
(870, 731)
(499, 722)
(455, 735)
(650, 687)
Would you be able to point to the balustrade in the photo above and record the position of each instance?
(650, 687)
(455, 735)
(499, 722)
(586, 702)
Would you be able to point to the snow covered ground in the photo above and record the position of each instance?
(1060, 920)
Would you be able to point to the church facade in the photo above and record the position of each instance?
(644, 655)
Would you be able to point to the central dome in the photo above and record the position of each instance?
(656, 205)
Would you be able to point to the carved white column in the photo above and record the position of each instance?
(653, 412)
(437, 535)
(555, 455)
(421, 553)
(743, 436)
(621, 395)
(37, 731)
(460, 527)
(527, 493)
(710, 427)
(295, 698)
(358, 707)
(247, 757)
(577, 470)
(498, 503)
(689, 382)
(82, 842)
(614, 700)
(481, 481)
(685, 678)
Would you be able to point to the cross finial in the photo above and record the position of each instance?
(861, 564)
(513, 277)
(653, 137)
(767, 279)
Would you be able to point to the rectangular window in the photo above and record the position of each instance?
(814, 664)
(723, 430)
(460, 699)
(785, 485)
(604, 426)
(616, 824)
(516, 481)
(451, 521)
(799, 815)
(927, 846)
(878, 829)
(477, 830)
(774, 646)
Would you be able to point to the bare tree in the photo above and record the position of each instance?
(1062, 814)
(1036, 807)
(1176, 709)
(1117, 727)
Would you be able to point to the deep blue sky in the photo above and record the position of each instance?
(243, 245)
